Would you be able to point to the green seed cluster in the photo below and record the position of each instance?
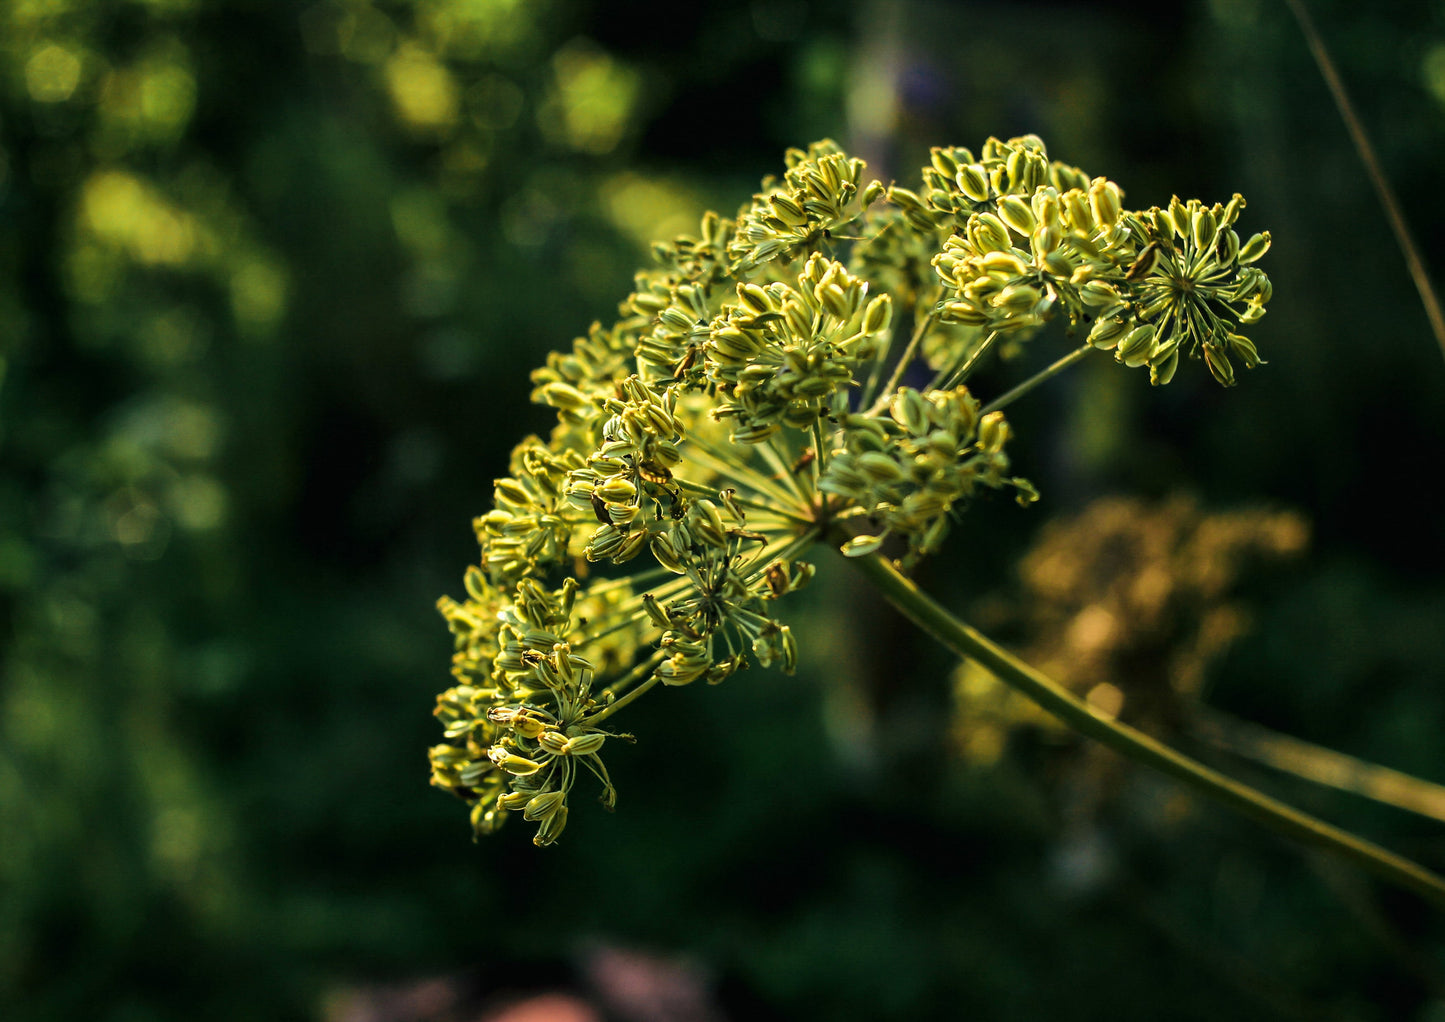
(1036, 239)
(779, 356)
(746, 405)
(904, 472)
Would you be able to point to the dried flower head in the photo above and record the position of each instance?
(747, 405)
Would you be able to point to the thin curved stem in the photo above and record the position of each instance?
(962, 373)
(1386, 194)
(964, 641)
(1320, 765)
(1042, 376)
(904, 360)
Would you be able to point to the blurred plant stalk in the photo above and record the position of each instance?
(967, 642)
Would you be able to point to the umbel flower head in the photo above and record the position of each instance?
(747, 404)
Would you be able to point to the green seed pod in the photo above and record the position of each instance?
(878, 315)
(1135, 348)
(541, 807)
(515, 799)
(872, 193)
(512, 492)
(905, 199)
(476, 583)
(1228, 246)
(647, 303)
(1006, 263)
(565, 396)
(909, 410)
(963, 312)
(835, 300)
(1163, 372)
(517, 766)
(1105, 200)
(981, 289)
(731, 342)
(604, 542)
(486, 818)
(862, 546)
(1164, 349)
(654, 610)
(972, 182)
(622, 515)
(585, 745)
(988, 232)
(630, 547)
(1254, 248)
(1059, 264)
(617, 490)
(879, 467)
(754, 433)
(675, 319)
(1096, 294)
(707, 524)
(1076, 204)
(1015, 212)
(1017, 298)
(800, 320)
(993, 432)
(552, 741)
(1180, 218)
(1045, 239)
(1018, 172)
(667, 554)
(1232, 210)
(1244, 348)
(943, 161)
(1205, 229)
(1218, 363)
(754, 298)
(551, 828)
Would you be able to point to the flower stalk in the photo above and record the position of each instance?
(965, 641)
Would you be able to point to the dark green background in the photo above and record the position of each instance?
(271, 279)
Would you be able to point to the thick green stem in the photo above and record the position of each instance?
(966, 642)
